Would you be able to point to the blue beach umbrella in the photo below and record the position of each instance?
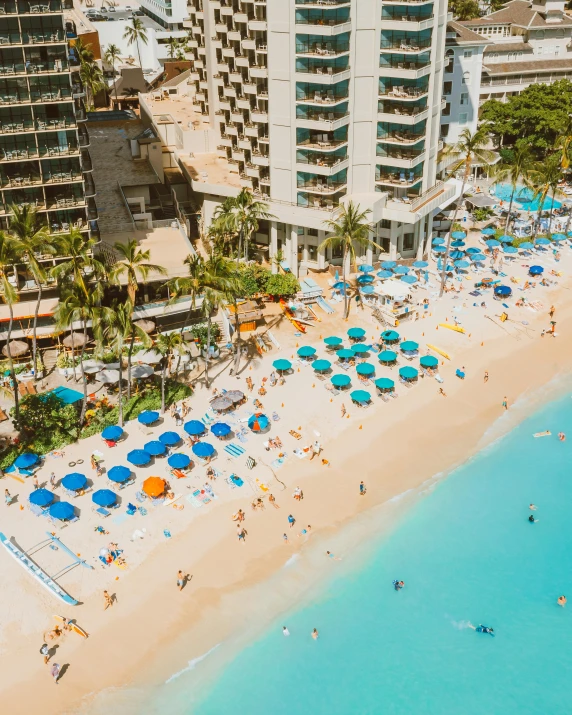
(456, 255)
(488, 231)
(345, 354)
(366, 268)
(62, 510)
(360, 396)
(506, 239)
(387, 357)
(458, 244)
(26, 460)
(333, 340)
(429, 361)
(138, 457)
(74, 481)
(558, 237)
(282, 365)
(408, 346)
(439, 249)
(541, 241)
(492, 243)
(119, 474)
(525, 246)
(340, 285)
(510, 250)
(155, 448)
(473, 249)
(104, 497)
(112, 433)
(536, 270)
(401, 270)
(384, 274)
(169, 438)
(194, 427)
(368, 290)
(385, 384)
(420, 264)
(388, 265)
(478, 257)
(306, 351)
(321, 365)
(179, 461)
(221, 429)
(365, 280)
(340, 380)
(458, 235)
(409, 279)
(390, 336)
(408, 373)
(356, 333)
(41, 497)
(148, 417)
(360, 349)
(365, 368)
(258, 422)
(438, 241)
(203, 449)
(502, 291)
(462, 264)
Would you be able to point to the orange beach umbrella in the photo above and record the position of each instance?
(154, 486)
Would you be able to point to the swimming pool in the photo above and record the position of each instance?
(523, 198)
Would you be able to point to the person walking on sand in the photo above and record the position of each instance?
(343, 410)
(8, 497)
(108, 600)
(317, 448)
(505, 403)
(285, 537)
(551, 311)
(36, 483)
(45, 651)
(332, 556)
(486, 375)
(442, 392)
(241, 533)
(272, 500)
(53, 480)
(291, 520)
(55, 672)
(361, 489)
(181, 580)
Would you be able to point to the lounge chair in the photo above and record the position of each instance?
(140, 497)
(460, 374)
(102, 511)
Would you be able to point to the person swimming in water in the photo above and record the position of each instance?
(531, 519)
(398, 585)
(482, 629)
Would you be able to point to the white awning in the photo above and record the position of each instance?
(394, 289)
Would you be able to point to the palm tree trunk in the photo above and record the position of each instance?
(11, 364)
(239, 245)
(115, 85)
(237, 329)
(83, 378)
(120, 385)
(163, 375)
(129, 356)
(453, 221)
(34, 331)
(139, 53)
(246, 247)
(509, 209)
(208, 349)
(550, 214)
(346, 308)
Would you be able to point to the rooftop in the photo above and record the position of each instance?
(500, 68)
(463, 35)
(179, 109)
(509, 47)
(521, 13)
(210, 169)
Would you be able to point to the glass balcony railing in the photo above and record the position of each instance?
(55, 150)
(18, 152)
(399, 178)
(322, 97)
(401, 62)
(321, 142)
(322, 49)
(400, 110)
(319, 67)
(325, 160)
(405, 44)
(10, 38)
(54, 95)
(323, 3)
(396, 153)
(12, 126)
(400, 136)
(403, 91)
(10, 98)
(319, 115)
(322, 17)
(43, 37)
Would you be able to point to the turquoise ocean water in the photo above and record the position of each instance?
(467, 553)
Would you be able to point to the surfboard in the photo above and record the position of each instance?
(542, 434)
(438, 350)
(456, 328)
(75, 628)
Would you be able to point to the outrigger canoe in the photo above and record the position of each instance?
(290, 315)
(438, 350)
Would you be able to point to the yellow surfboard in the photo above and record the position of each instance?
(437, 350)
(456, 328)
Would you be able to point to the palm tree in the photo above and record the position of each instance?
(190, 285)
(217, 285)
(348, 229)
(79, 260)
(174, 46)
(543, 179)
(241, 215)
(83, 51)
(514, 171)
(471, 146)
(167, 345)
(133, 265)
(111, 56)
(92, 78)
(134, 33)
(9, 254)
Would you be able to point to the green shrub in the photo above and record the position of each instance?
(281, 284)
(199, 333)
(482, 213)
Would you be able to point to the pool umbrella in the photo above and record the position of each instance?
(345, 354)
(119, 474)
(462, 264)
(340, 380)
(455, 255)
(390, 336)
(258, 422)
(74, 481)
(112, 433)
(306, 351)
(409, 279)
(385, 384)
(360, 349)
(139, 457)
(179, 461)
(478, 257)
(365, 280)
(340, 285)
(155, 448)
(368, 290)
(429, 361)
(108, 377)
(221, 429)
(558, 237)
(408, 373)
(169, 438)
(104, 497)
(332, 341)
(360, 396)
(93, 363)
(234, 395)
(26, 460)
(321, 365)
(194, 427)
(458, 235)
(472, 249)
(41, 497)
(488, 231)
(458, 244)
(525, 246)
(438, 241)
(365, 369)
(221, 404)
(148, 357)
(492, 243)
(147, 326)
(75, 340)
(401, 270)
(90, 369)
(356, 333)
(420, 264)
(62, 510)
(510, 249)
(366, 268)
(203, 449)
(408, 346)
(536, 270)
(282, 365)
(387, 357)
(439, 249)
(384, 274)
(506, 239)
(140, 372)
(154, 486)
(541, 241)
(388, 265)
(502, 291)
(147, 417)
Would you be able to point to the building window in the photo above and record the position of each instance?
(312, 253)
(466, 77)
(449, 60)
(447, 87)
(312, 232)
(468, 53)
(447, 111)
(464, 98)
(385, 223)
(384, 242)
(300, 230)
(463, 118)
(408, 241)
(445, 130)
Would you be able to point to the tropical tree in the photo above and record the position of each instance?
(9, 254)
(240, 215)
(470, 147)
(134, 34)
(349, 229)
(83, 51)
(133, 265)
(32, 238)
(464, 9)
(111, 56)
(173, 45)
(217, 288)
(79, 259)
(543, 179)
(92, 78)
(168, 345)
(514, 170)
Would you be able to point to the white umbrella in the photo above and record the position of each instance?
(112, 366)
(93, 363)
(90, 369)
(141, 371)
(148, 357)
(108, 376)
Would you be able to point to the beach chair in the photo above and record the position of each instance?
(275, 417)
(207, 419)
(102, 511)
(140, 497)
(332, 390)
(460, 374)
(37, 510)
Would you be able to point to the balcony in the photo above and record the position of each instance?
(56, 150)
(407, 46)
(48, 37)
(19, 153)
(401, 136)
(322, 188)
(253, 171)
(258, 72)
(322, 144)
(251, 130)
(19, 180)
(35, 8)
(246, 182)
(329, 50)
(404, 93)
(89, 185)
(222, 152)
(321, 4)
(408, 2)
(321, 74)
(86, 163)
(244, 143)
(260, 159)
(10, 38)
(404, 159)
(403, 179)
(329, 98)
(63, 94)
(325, 23)
(259, 116)
(322, 164)
(322, 119)
(62, 177)
(407, 22)
(404, 69)
(257, 26)
(402, 113)
(20, 97)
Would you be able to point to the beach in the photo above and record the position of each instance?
(393, 447)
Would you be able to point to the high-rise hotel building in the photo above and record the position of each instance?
(313, 103)
(44, 157)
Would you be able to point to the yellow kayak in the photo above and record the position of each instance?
(437, 350)
(456, 328)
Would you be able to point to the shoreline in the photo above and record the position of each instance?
(147, 652)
